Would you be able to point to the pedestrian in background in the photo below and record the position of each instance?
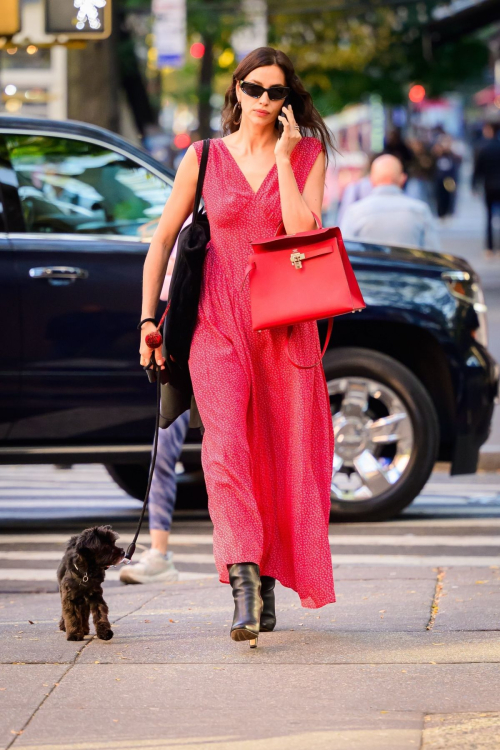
(387, 215)
(487, 174)
(445, 176)
(355, 191)
(482, 140)
(421, 173)
(156, 563)
(395, 145)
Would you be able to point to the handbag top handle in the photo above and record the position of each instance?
(201, 177)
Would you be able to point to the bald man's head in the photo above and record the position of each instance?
(387, 170)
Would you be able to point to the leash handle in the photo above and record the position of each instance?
(131, 548)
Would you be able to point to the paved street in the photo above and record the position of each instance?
(452, 522)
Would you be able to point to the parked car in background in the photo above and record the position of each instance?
(410, 379)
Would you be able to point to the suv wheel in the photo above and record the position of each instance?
(386, 434)
(133, 478)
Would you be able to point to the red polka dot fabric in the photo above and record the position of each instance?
(268, 444)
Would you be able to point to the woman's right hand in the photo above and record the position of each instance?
(144, 349)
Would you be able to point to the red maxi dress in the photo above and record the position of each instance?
(267, 450)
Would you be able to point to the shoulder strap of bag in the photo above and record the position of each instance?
(201, 178)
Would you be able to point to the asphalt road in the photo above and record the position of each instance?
(452, 522)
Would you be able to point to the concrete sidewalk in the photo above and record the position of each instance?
(406, 658)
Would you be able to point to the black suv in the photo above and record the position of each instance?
(410, 378)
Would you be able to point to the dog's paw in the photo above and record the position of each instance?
(105, 634)
(74, 636)
(62, 624)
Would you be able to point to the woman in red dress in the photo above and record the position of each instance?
(267, 448)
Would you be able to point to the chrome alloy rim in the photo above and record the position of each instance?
(374, 438)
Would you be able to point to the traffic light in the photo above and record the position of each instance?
(78, 19)
(416, 93)
(10, 17)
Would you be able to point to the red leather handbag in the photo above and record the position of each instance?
(299, 277)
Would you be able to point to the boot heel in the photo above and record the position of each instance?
(248, 604)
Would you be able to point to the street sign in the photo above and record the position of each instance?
(169, 31)
(10, 17)
(78, 19)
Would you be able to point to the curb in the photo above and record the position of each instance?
(489, 460)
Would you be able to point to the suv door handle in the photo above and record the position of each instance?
(58, 273)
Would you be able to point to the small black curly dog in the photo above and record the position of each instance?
(80, 574)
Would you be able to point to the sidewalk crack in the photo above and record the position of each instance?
(436, 598)
(70, 667)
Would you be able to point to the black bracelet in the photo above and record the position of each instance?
(146, 320)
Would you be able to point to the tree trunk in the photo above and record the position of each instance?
(132, 81)
(93, 83)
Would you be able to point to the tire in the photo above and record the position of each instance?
(387, 434)
(133, 479)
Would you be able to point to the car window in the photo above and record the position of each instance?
(73, 186)
(6, 179)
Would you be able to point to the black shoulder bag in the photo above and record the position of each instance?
(185, 287)
(173, 385)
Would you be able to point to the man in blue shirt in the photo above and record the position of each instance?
(388, 216)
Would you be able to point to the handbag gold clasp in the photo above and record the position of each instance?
(296, 259)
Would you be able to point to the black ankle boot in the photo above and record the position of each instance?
(268, 616)
(245, 581)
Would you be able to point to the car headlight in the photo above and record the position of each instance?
(466, 287)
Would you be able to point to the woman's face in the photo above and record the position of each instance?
(262, 111)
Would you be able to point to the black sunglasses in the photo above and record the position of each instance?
(275, 93)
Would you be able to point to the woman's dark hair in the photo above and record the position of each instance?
(305, 113)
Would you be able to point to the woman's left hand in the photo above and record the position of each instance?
(290, 136)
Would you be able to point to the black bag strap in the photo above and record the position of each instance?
(201, 178)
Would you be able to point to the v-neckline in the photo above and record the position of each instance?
(254, 192)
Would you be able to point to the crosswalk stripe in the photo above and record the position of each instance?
(68, 491)
(48, 574)
(335, 541)
(435, 561)
(432, 561)
(411, 540)
(408, 539)
(103, 503)
(193, 557)
(184, 540)
(175, 539)
(459, 488)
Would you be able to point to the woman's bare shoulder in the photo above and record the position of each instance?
(189, 165)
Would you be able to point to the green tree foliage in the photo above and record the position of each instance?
(343, 55)
(342, 50)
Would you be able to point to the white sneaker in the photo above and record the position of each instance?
(152, 566)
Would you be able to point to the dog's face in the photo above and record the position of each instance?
(98, 544)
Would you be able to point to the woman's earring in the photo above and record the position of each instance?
(238, 104)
